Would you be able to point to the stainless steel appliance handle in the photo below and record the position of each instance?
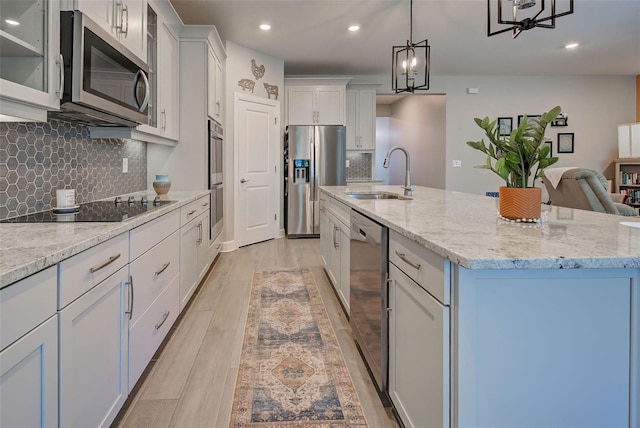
(404, 258)
(105, 264)
(163, 268)
(140, 74)
(361, 235)
(60, 62)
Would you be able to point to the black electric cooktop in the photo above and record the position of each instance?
(98, 211)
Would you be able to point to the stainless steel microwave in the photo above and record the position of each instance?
(104, 84)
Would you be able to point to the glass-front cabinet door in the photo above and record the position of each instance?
(30, 62)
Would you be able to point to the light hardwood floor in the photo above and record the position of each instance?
(192, 382)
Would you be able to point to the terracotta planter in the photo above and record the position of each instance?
(520, 203)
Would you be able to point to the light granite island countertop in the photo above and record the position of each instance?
(493, 323)
(26, 248)
(466, 229)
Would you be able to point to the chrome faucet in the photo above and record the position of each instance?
(408, 188)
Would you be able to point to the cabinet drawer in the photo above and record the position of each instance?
(428, 269)
(342, 211)
(149, 234)
(194, 209)
(25, 304)
(82, 272)
(146, 335)
(152, 272)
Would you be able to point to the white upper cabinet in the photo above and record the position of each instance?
(316, 105)
(316, 101)
(30, 68)
(162, 59)
(361, 119)
(125, 19)
(215, 87)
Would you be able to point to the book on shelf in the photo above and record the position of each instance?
(629, 178)
(631, 197)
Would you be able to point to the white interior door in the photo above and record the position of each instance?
(257, 138)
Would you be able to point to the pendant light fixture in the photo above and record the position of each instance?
(544, 16)
(410, 70)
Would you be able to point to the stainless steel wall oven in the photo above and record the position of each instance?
(216, 184)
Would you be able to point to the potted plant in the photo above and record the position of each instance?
(519, 160)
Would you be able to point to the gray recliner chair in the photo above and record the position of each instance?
(585, 189)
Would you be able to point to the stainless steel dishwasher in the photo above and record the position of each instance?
(369, 243)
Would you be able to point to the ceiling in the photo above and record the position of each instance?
(311, 36)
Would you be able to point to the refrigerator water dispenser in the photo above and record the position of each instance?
(300, 171)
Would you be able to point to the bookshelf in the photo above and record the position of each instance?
(628, 180)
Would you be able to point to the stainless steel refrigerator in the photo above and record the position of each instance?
(313, 156)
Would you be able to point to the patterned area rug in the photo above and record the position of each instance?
(292, 373)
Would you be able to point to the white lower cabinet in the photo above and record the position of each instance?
(94, 353)
(334, 245)
(155, 275)
(29, 351)
(29, 379)
(195, 256)
(418, 353)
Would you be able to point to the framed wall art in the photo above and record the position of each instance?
(565, 142)
(529, 117)
(506, 125)
(549, 143)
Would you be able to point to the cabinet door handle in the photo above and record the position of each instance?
(105, 264)
(199, 240)
(164, 318)
(163, 268)
(60, 90)
(164, 120)
(336, 244)
(386, 294)
(130, 284)
(219, 108)
(124, 29)
(404, 258)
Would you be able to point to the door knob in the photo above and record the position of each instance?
(242, 180)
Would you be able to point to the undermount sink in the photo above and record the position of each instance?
(376, 195)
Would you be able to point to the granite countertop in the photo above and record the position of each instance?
(466, 229)
(26, 248)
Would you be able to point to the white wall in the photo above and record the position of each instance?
(239, 67)
(595, 106)
(418, 125)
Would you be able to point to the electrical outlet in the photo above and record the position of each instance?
(456, 163)
(125, 165)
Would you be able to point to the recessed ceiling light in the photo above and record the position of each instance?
(354, 28)
(265, 27)
(11, 22)
(572, 45)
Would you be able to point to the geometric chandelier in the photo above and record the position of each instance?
(410, 63)
(521, 19)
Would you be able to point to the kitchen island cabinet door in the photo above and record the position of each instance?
(418, 353)
(94, 354)
(546, 347)
(29, 379)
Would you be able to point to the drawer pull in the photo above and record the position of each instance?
(163, 268)
(105, 264)
(164, 318)
(206, 204)
(191, 212)
(407, 261)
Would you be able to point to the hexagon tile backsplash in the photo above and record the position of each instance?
(37, 158)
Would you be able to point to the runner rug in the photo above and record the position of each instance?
(292, 373)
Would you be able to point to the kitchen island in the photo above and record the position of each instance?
(494, 323)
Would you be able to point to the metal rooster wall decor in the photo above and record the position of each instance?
(257, 70)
